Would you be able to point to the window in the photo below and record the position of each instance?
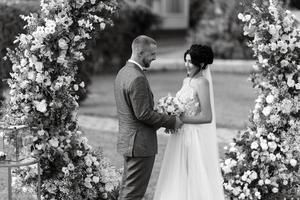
(174, 6)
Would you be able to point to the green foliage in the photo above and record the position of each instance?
(295, 4)
(10, 26)
(112, 47)
(197, 10)
(223, 31)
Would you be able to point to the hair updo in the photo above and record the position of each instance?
(200, 54)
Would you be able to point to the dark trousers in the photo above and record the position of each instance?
(136, 175)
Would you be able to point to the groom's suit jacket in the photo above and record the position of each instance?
(138, 121)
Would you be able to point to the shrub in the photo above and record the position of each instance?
(223, 31)
(295, 4)
(12, 25)
(112, 47)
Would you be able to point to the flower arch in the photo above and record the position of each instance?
(42, 95)
(263, 162)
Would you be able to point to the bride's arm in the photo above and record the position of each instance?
(205, 115)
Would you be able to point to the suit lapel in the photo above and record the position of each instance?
(129, 64)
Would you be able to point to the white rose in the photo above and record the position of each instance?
(54, 142)
(253, 21)
(170, 109)
(275, 190)
(23, 62)
(264, 146)
(272, 30)
(89, 170)
(71, 167)
(293, 162)
(40, 106)
(254, 145)
(82, 84)
(253, 175)
(255, 67)
(77, 38)
(297, 86)
(76, 87)
(87, 183)
(15, 67)
(247, 17)
(65, 170)
(39, 146)
(267, 181)
(273, 46)
(244, 177)
(255, 154)
(267, 110)
(240, 16)
(226, 169)
(242, 196)
(96, 179)
(270, 98)
(88, 163)
(290, 82)
(261, 182)
(41, 132)
(62, 43)
(272, 145)
(31, 75)
(258, 195)
(27, 109)
(39, 66)
(272, 157)
(96, 163)
(102, 25)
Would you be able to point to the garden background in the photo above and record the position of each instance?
(210, 22)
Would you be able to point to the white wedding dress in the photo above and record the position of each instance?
(190, 168)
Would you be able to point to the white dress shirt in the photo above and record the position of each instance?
(140, 66)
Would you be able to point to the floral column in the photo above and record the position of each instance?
(263, 162)
(42, 89)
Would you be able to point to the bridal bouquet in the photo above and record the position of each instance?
(171, 106)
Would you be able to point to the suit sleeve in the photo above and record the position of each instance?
(143, 111)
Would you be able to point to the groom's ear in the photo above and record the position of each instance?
(141, 53)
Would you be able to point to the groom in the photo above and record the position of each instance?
(138, 122)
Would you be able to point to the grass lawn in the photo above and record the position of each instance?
(234, 95)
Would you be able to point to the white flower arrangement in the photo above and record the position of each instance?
(42, 89)
(271, 143)
(171, 106)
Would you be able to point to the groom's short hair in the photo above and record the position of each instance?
(141, 42)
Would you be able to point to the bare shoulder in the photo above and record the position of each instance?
(185, 79)
(200, 82)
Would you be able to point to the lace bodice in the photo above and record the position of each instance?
(188, 97)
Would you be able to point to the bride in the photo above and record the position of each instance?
(190, 168)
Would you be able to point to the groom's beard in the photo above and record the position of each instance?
(146, 63)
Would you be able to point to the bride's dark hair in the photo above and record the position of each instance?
(200, 54)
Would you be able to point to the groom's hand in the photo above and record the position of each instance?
(178, 123)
